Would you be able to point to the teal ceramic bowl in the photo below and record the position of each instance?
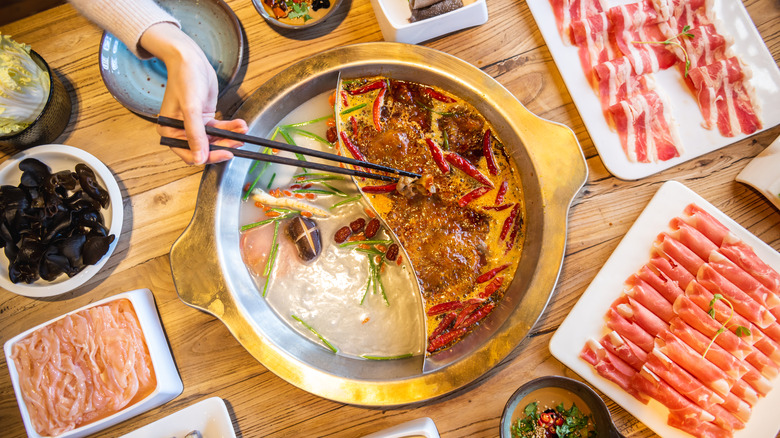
(139, 85)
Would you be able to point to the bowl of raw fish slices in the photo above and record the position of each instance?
(93, 367)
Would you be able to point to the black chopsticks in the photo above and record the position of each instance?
(175, 123)
(271, 158)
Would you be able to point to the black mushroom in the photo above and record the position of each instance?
(51, 223)
(306, 236)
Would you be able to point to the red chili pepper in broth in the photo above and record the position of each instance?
(433, 94)
(445, 323)
(487, 150)
(444, 307)
(445, 339)
(511, 242)
(478, 315)
(377, 112)
(344, 101)
(472, 195)
(368, 87)
(464, 314)
(509, 221)
(438, 156)
(487, 276)
(351, 146)
(498, 207)
(501, 192)
(492, 287)
(464, 165)
(379, 189)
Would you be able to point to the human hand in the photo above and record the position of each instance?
(190, 95)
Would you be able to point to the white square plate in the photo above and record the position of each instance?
(169, 383)
(393, 17)
(586, 319)
(686, 116)
(210, 417)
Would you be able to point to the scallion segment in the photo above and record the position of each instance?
(316, 333)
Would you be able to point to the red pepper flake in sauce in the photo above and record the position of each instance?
(299, 195)
(438, 156)
(306, 214)
(472, 195)
(259, 204)
(308, 186)
(377, 109)
(287, 193)
(487, 150)
(311, 196)
(366, 320)
(487, 276)
(502, 192)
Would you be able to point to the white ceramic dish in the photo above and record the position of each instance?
(419, 428)
(762, 173)
(586, 319)
(169, 383)
(210, 417)
(696, 140)
(61, 157)
(393, 17)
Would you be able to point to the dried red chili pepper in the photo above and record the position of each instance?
(442, 340)
(492, 287)
(501, 192)
(344, 101)
(378, 102)
(498, 207)
(445, 323)
(478, 315)
(354, 123)
(368, 87)
(465, 313)
(472, 195)
(464, 165)
(379, 189)
(433, 94)
(444, 307)
(487, 150)
(487, 276)
(509, 221)
(438, 156)
(351, 146)
(511, 242)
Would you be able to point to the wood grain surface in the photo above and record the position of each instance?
(159, 193)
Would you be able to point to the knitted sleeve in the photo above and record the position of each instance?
(125, 19)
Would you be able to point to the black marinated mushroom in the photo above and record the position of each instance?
(51, 223)
(306, 236)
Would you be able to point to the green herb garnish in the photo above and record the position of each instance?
(575, 424)
(400, 356)
(740, 331)
(441, 113)
(316, 333)
(346, 201)
(352, 109)
(674, 41)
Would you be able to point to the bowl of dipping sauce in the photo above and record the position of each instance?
(537, 407)
(295, 14)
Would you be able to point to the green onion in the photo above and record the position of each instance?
(319, 119)
(346, 201)
(368, 283)
(272, 255)
(336, 191)
(352, 109)
(271, 181)
(367, 242)
(289, 140)
(314, 180)
(370, 251)
(317, 174)
(257, 178)
(311, 135)
(311, 329)
(441, 113)
(400, 356)
(446, 140)
(381, 286)
(316, 191)
(257, 224)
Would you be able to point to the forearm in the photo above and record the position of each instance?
(128, 20)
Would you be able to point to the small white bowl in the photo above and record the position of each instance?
(210, 417)
(393, 17)
(169, 384)
(762, 173)
(61, 157)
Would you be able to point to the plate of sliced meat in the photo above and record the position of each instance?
(680, 326)
(660, 82)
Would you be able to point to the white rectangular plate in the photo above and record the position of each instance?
(210, 417)
(748, 45)
(586, 319)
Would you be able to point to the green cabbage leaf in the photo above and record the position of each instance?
(24, 86)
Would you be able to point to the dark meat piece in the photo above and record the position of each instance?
(439, 8)
(445, 242)
(464, 133)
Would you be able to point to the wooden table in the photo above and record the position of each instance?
(159, 193)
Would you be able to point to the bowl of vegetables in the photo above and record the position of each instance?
(34, 105)
(295, 14)
(559, 407)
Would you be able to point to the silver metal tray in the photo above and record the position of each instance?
(209, 274)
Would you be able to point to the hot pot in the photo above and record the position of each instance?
(210, 276)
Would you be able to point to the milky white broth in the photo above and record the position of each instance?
(326, 292)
